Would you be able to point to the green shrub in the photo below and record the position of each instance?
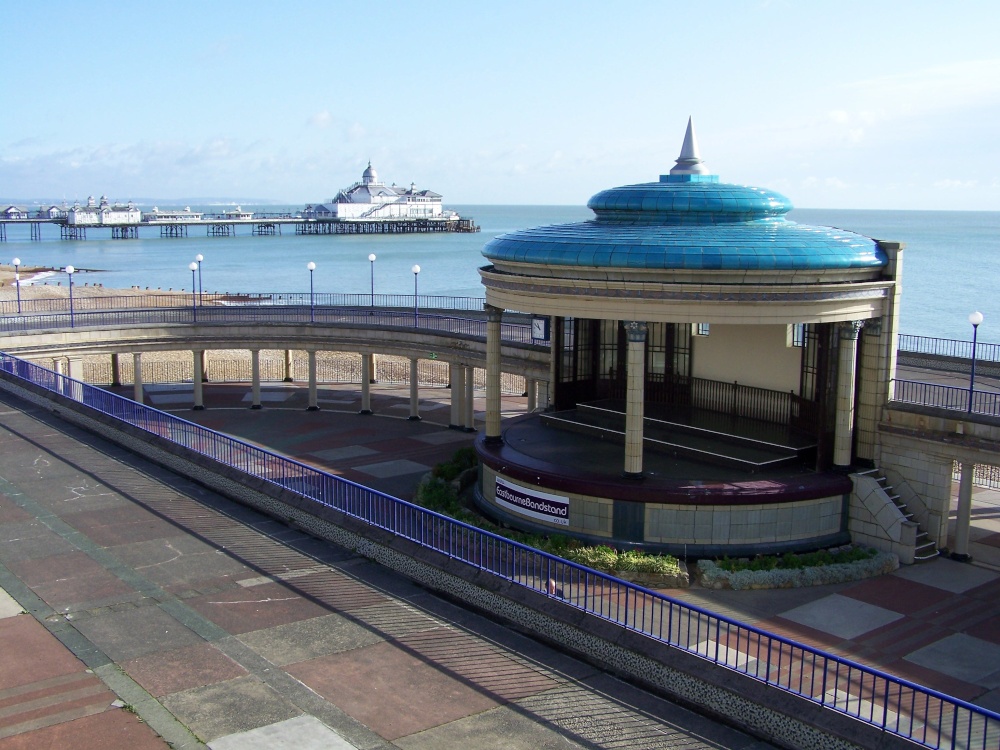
(853, 564)
(795, 561)
(437, 494)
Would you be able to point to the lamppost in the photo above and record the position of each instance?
(199, 258)
(17, 281)
(194, 291)
(312, 304)
(975, 318)
(69, 272)
(416, 307)
(371, 260)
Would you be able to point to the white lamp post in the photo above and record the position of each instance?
(975, 318)
(312, 305)
(17, 281)
(371, 260)
(416, 307)
(198, 259)
(69, 272)
(194, 290)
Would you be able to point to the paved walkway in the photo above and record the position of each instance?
(158, 608)
(160, 614)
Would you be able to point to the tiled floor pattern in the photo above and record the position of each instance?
(253, 635)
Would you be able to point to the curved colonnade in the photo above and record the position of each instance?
(443, 342)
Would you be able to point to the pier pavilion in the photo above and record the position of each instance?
(716, 370)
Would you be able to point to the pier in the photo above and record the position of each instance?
(260, 225)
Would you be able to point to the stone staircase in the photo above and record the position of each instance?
(925, 549)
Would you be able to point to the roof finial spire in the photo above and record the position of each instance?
(690, 161)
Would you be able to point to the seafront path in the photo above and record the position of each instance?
(161, 614)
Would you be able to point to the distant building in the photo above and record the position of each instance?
(52, 212)
(103, 214)
(238, 214)
(14, 212)
(372, 199)
(170, 215)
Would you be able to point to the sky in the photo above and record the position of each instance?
(879, 105)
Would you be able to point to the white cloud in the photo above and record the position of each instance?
(321, 119)
(949, 184)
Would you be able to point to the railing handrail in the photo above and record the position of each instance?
(958, 348)
(227, 449)
(943, 396)
(136, 300)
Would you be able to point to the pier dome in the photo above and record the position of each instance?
(688, 220)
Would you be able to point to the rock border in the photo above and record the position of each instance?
(711, 576)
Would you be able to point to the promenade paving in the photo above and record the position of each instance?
(160, 614)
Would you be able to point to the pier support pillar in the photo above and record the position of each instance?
(843, 434)
(635, 397)
(137, 377)
(963, 519)
(493, 318)
(367, 372)
(373, 368)
(255, 378)
(288, 366)
(116, 370)
(313, 397)
(531, 387)
(414, 390)
(199, 374)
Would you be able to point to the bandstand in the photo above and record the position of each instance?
(716, 369)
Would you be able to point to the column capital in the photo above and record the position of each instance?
(873, 326)
(492, 311)
(850, 329)
(635, 330)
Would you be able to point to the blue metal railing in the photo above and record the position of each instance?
(140, 299)
(984, 403)
(889, 703)
(956, 348)
(277, 314)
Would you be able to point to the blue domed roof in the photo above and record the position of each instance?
(689, 220)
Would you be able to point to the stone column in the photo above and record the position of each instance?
(635, 397)
(963, 519)
(367, 363)
(529, 386)
(493, 318)
(199, 396)
(843, 431)
(75, 371)
(414, 391)
(373, 369)
(542, 387)
(137, 377)
(288, 366)
(313, 398)
(116, 370)
(255, 377)
(456, 375)
(75, 368)
(469, 406)
(204, 366)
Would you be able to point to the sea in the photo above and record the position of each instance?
(951, 265)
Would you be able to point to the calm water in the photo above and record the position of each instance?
(951, 263)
